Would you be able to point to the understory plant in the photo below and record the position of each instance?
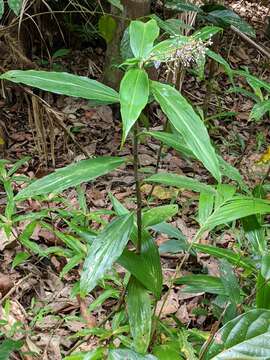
(128, 239)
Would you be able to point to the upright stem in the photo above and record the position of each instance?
(137, 183)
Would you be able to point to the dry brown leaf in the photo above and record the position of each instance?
(171, 304)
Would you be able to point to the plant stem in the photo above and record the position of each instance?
(137, 183)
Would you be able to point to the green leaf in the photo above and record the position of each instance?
(72, 262)
(265, 269)
(255, 234)
(15, 6)
(117, 4)
(262, 293)
(182, 5)
(145, 267)
(182, 116)
(71, 175)
(126, 354)
(8, 346)
(173, 246)
(142, 37)
(180, 181)
(64, 84)
(134, 92)
(177, 244)
(229, 17)
(254, 80)
(60, 53)
(139, 315)
(232, 173)
(171, 26)
(176, 142)
(245, 337)
(158, 214)
(96, 354)
(201, 283)
(164, 50)
(206, 205)
(259, 110)
(168, 351)
(232, 257)
(171, 140)
(235, 208)
(206, 32)
(107, 28)
(20, 258)
(105, 250)
(125, 49)
(230, 282)
(219, 59)
(2, 8)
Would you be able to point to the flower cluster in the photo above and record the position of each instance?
(191, 52)
(188, 53)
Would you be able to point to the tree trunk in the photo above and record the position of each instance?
(133, 9)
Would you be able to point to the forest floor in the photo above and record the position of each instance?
(38, 298)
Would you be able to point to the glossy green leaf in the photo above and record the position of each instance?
(178, 241)
(117, 4)
(107, 27)
(142, 37)
(105, 250)
(64, 84)
(134, 92)
(235, 208)
(7, 346)
(265, 267)
(201, 283)
(230, 282)
(145, 267)
(170, 230)
(182, 116)
(171, 140)
(173, 246)
(71, 175)
(139, 315)
(224, 192)
(206, 205)
(182, 5)
(245, 337)
(158, 214)
(126, 354)
(259, 110)
(206, 32)
(180, 181)
(255, 234)
(229, 17)
(15, 6)
(220, 253)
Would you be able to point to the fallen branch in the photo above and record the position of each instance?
(259, 47)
